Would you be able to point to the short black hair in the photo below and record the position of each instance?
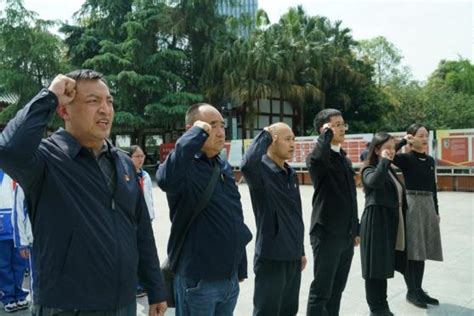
(323, 117)
(86, 74)
(413, 128)
(191, 113)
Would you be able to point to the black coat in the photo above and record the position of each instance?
(379, 223)
(334, 198)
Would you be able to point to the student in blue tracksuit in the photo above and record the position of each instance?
(22, 235)
(13, 262)
(138, 158)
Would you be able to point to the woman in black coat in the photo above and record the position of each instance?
(382, 225)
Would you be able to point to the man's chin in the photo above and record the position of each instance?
(103, 136)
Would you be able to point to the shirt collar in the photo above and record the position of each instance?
(336, 148)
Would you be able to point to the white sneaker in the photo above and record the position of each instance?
(10, 307)
(22, 304)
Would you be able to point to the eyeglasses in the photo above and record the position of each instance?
(342, 125)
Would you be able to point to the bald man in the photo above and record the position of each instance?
(279, 250)
(212, 259)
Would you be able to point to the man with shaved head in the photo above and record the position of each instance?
(279, 251)
(212, 260)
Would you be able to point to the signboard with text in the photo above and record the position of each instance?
(455, 147)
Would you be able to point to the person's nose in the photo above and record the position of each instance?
(220, 131)
(106, 107)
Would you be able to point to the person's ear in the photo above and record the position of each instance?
(62, 112)
(274, 138)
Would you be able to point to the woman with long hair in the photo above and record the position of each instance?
(423, 231)
(382, 229)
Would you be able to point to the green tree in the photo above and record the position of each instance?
(449, 95)
(306, 60)
(145, 70)
(97, 20)
(409, 106)
(444, 102)
(200, 27)
(459, 75)
(385, 58)
(30, 55)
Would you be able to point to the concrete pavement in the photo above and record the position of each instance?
(450, 281)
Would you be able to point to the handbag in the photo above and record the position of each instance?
(169, 265)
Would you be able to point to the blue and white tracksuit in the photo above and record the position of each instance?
(15, 234)
(147, 187)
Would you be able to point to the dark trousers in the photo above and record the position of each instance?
(127, 310)
(332, 262)
(277, 287)
(414, 275)
(376, 294)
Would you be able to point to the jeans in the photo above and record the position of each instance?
(205, 297)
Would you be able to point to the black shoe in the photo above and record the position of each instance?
(385, 312)
(416, 299)
(428, 299)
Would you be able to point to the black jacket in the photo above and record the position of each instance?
(334, 199)
(89, 242)
(379, 223)
(276, 203)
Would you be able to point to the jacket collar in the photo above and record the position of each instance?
(274, 167)
(202, 156)
(70, 145)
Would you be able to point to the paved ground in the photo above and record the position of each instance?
(450, 281)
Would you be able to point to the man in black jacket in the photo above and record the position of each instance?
(334, 229)
(212, 259)
(276, 202)
(89, 219)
